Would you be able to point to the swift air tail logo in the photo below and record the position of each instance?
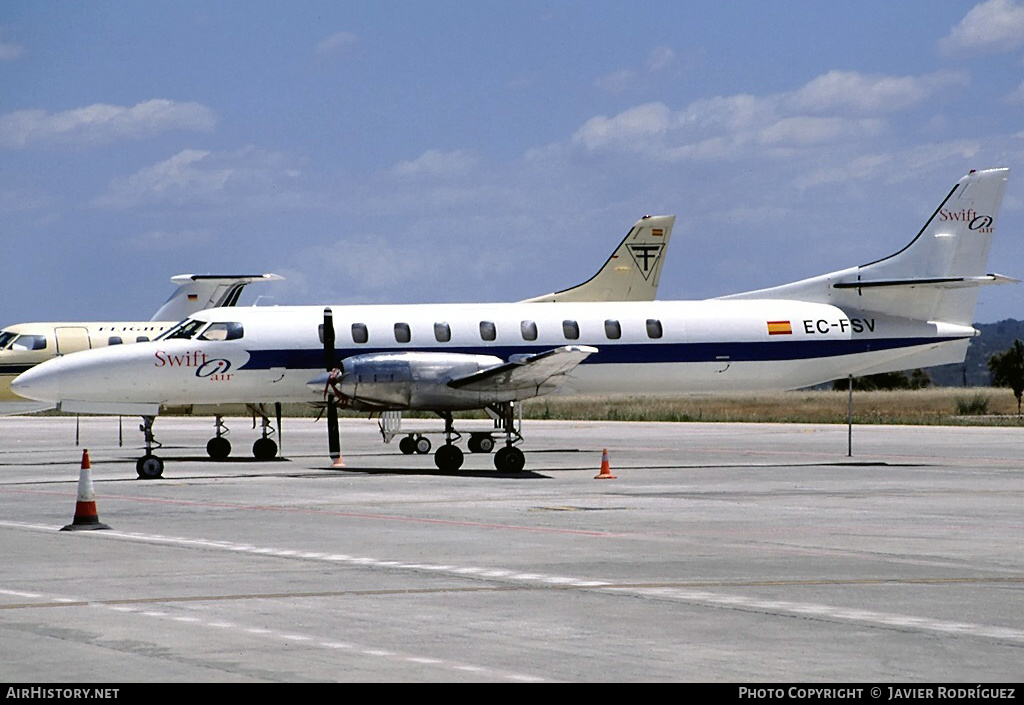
(977, 223)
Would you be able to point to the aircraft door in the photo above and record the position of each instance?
(72, 339)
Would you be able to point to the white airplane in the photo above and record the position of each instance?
(911, 309)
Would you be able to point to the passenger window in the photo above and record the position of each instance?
(488, 330)
(529, 329)
(114, 340)
(612, 329)
(571, 330)
(29, 342)
(359, 333)
(222, 331)
(141, 339)
(402, 333)
(653, 328)
(442, 332)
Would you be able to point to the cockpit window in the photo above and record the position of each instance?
(29, 342)
(186, 330)
(6, 337)
(223, 331)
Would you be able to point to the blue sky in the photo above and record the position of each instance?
(416, 151)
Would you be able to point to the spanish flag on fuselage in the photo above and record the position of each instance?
(779, 328)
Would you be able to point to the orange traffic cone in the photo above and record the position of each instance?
(606, 470)
(339, 461)
(85, 509)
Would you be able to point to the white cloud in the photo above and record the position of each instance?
(101, 123)
(436, 163)
(249, 178)
(336, 43)
(1016, 95)
(866, 93)
(625, 129)
(835, 108)
(617, 81)
(10, 52)
(806, 130)
(660, 58)
(994, 26)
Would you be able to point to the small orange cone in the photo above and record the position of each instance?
(339, 462)
(606, 469)
(85, 509)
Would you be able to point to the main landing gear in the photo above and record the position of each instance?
(449, 457)
(219, 447)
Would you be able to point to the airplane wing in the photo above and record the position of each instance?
(546, 369)
(197, 292)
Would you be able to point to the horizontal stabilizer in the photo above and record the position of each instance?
(546, 369)
(940, 282)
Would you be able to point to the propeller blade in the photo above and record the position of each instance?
(280, 438)
(333, 437)
(330, 361)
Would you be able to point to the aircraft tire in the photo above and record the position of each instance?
(448, 458)
(422, 445)
(407, 445)
(264, 449)
(218, 448)
(149, 467)
(509, 459)
(480, 443)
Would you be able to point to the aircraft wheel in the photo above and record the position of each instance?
(422, 445)
(264, 449)
(407, 445)
(448, 458)
(509, 459)
(218, 448)
(149, 467)
(482, 443)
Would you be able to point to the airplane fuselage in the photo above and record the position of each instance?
(659, 347)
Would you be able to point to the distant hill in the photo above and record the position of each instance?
(994, 338)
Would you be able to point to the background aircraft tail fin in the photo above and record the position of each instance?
(633, 270)
(935, 277)
(196, 292)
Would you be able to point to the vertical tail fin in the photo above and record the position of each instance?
(633, 270)
(196, 292)
(936, 276)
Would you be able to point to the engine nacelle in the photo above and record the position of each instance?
(408, 380)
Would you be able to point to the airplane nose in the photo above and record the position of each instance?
(38, 384)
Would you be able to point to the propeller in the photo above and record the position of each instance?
(330, 362)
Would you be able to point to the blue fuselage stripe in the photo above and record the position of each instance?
(620, 353)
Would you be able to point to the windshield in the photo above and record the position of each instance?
(186, 330)
(6, 337)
